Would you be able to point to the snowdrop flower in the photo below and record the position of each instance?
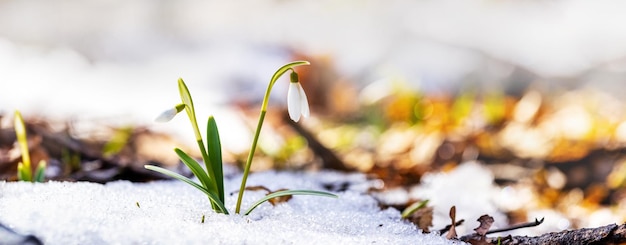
(297, 103)
(167, 115)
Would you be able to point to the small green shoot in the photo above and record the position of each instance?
(24, 169)
(117, 142)
(413, 208)
(212, 177)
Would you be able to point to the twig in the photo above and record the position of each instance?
(445, 229)
(518, 226)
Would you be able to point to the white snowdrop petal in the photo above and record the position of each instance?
(166, 116)
(293, 102)
(304, 102)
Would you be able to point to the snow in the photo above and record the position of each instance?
(469, 187)
(170, 212)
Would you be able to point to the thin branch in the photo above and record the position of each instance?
(445, 229)
(518, 226)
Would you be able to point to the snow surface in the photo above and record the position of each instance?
(170, 212)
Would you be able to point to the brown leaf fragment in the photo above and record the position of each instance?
(273, 201)
(452, 231)
(423, 218)
(258, 188)
(479, 242)
(485, 223)
(280, 199)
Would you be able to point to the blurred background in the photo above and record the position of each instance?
(398, 88)
(63, 56)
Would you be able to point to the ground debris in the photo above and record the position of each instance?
(609, 234)
(100, 155)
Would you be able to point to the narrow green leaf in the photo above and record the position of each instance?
(214, 199)
(20, 172)
(215, 155)
(286, 193)
(206, 180)
(40, 173)
(185, 96)
(196, 169)
(413, 207)
(20, 133)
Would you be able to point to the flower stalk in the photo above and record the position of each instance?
(257, 132)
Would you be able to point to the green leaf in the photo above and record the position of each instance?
(209, 194)
(20, 133)
(117, 142)
(215, 155)
(196, 169)
(413, 207)
(185, 96)
(40, 173)
(286, 193)
(21, 175)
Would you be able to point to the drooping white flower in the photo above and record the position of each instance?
(297, 103)
(167, 115)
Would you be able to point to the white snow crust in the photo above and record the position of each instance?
(170, 212)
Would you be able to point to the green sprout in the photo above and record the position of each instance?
(413, 208)
(24, 170)
(212, 180)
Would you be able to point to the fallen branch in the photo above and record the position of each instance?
(610, 234)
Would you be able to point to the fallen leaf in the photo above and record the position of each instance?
(422, 218)
(275, 200)
(452, 231)
(280, 199)
(485, 223)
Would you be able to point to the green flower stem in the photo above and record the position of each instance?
(266, 98)
(246, 170)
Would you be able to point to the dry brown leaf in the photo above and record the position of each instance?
(485, 223)
(423, 218)
(273, 201)
(258, 188)
(280, 199)
(452, 231)
(478, 242)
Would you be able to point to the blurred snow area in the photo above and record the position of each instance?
(170, 212)
(470, 188)
(118, 61)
